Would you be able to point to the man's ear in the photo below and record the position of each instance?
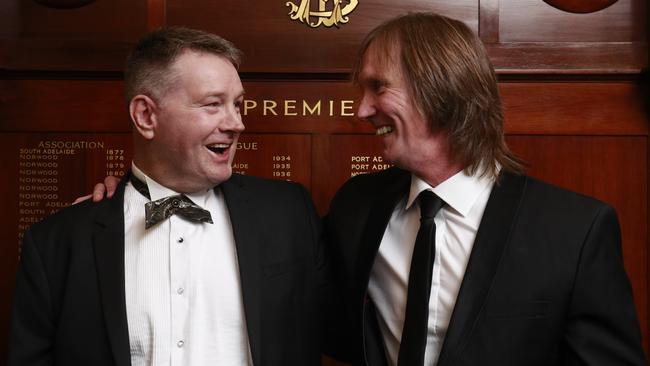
(142, 112)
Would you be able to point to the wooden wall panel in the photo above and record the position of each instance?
(95, 37)
(621, 22)
(63, 105)
(272, 42)
(569, 58)
(522, 36)
(534, 37)
(598, 108)
(571, 108)
(276, 156)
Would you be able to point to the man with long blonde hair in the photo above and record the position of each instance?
(453, 257)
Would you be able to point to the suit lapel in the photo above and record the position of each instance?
(378, 217)
(108, 241)
(491, 239)
(248, 256)
(381, 209)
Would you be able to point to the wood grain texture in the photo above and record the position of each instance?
(156, 16)
(526, 36)
(574, 108)
(489, 21)
(566, 108)
(63, 105)
(568, 58)
(94, 37)
(272, 42)
(622, 22)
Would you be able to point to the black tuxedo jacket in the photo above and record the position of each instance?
(544, 285)
(69, 306)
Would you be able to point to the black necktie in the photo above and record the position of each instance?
(158, 210)
(414, 334)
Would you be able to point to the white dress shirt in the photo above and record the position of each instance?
(456, 226)
(183, 293)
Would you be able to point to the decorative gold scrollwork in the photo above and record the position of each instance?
(335, 17)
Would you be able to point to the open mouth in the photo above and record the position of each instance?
(219, 149)
(384, 130)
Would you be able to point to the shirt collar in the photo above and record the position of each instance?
(460, 191)
(158, 191)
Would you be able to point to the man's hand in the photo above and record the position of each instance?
(108, 187)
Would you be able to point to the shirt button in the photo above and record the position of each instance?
(180, 290)
(180, 343)
(180, 240)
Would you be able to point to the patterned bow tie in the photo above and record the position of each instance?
(159, 210)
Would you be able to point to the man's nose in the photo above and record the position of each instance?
(233, 121)
(366, 107)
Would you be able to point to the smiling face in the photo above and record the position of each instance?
(388, 105)
(197, 123)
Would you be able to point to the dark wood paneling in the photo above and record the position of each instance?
(564, 108)
(94, 37)
(573, 108)
(622, 22)
(275, 156)
(156, 16)
(535, 37)
(63, 105)
(582, 58)
(351, 155)
(97, 37)
(273, 42)
(489, 21)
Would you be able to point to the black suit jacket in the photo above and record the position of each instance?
(544, 285)
(69, 306)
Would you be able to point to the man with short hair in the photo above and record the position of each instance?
(453, 257)
(188, 264)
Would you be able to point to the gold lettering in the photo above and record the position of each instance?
(346, 105)
(358, 159)
(31, 211)
(305, 108)
(247, 146)
(290, 104)
(285, 107)
(249, 104)
(71, 144)
(57, 204)
(269, 105)
(29, 219)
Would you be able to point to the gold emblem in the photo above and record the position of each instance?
(335, 17)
